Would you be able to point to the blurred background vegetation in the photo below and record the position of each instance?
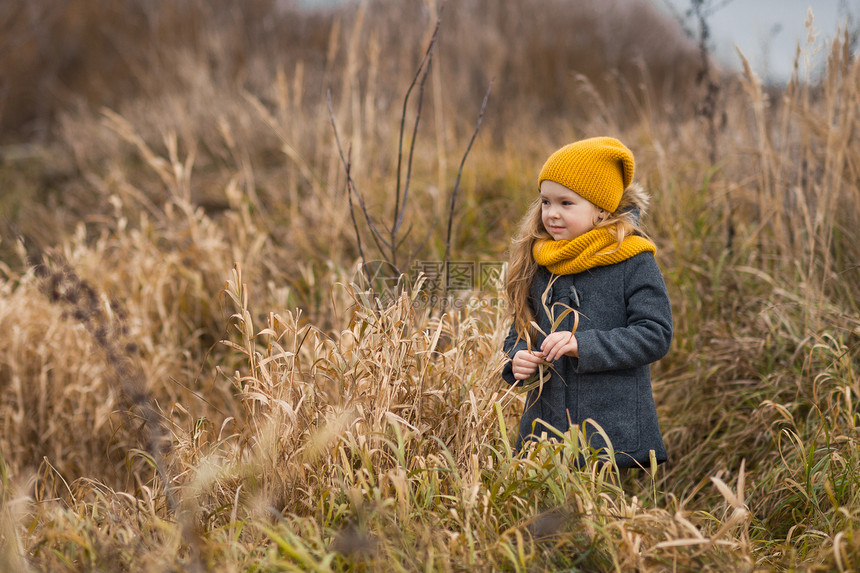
(190, 379)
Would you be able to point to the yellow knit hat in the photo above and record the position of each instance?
(598, 169)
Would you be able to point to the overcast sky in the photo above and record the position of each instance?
(766, 31)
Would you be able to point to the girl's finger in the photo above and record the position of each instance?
(535, 358)
(546, 345)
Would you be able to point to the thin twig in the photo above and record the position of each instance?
(377, 236)
(350, 189)
(457, 183)
(364, 268)
(197, 395)
(423, 241)
(412, 148)
(424, 60)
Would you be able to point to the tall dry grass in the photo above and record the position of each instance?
(192, 378)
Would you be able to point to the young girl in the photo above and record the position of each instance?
(579, 247)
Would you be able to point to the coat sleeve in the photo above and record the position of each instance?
(513, 344)
(648, 333)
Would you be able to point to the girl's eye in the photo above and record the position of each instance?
(567, 203)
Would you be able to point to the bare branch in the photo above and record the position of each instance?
(399, 220)
(418, 73)
(459, 175)
(350, 188)
(355, 227)
(423, 241)
(377, 236)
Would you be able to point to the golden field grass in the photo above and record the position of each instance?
(193, 375)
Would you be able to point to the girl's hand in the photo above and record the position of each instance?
(525, 363)
(558, 344)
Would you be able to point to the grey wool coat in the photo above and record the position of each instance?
(625, 324)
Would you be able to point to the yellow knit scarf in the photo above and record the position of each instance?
(596, 248)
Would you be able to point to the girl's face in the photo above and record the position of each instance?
(564, 213)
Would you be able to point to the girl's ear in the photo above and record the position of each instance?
(601, 215)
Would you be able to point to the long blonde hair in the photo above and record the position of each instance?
(522, 267)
